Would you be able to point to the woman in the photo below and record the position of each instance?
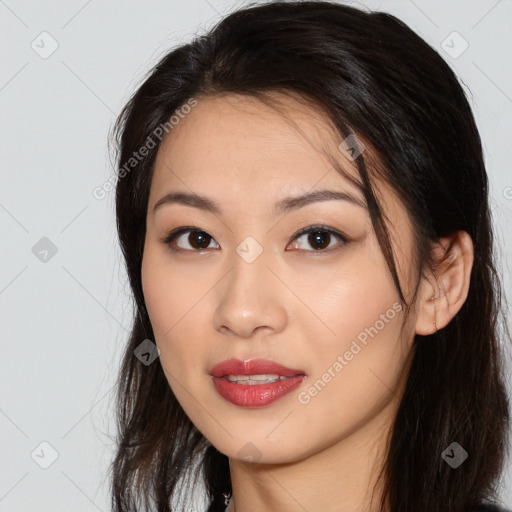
(302, 205)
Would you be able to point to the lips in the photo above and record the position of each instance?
(252, 367)
(256, 394)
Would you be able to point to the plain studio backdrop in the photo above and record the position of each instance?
(67, 69)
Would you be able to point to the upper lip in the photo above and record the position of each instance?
(252, 367)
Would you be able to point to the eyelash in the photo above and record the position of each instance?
(307, 230)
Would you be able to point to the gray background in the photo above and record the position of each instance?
(65, 316)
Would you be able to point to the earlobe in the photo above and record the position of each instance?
(444, 290)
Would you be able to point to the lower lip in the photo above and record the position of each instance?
(257, 395)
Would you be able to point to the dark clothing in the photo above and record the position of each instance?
(491, 508)
(218, 506)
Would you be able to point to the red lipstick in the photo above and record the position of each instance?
(254, 383)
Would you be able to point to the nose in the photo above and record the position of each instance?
(250, 300)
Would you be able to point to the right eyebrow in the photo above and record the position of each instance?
(292, 203)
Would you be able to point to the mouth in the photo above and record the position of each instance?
(254, 383)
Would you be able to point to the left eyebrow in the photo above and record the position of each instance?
(293, 203)
(283, 206)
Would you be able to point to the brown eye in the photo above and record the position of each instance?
(199, 239)
(319, 238)
(196, 239)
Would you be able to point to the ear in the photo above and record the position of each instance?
(444, 290)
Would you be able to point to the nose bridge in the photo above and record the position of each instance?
(250, 270)
(249, 298)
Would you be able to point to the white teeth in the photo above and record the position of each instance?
(255, 379)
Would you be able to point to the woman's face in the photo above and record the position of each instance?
(242, 283)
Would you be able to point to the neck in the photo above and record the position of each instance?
(341, 478)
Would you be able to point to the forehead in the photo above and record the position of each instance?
(245, 144)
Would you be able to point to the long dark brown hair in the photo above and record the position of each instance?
(374, 77)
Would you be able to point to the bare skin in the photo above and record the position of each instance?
(295, 304)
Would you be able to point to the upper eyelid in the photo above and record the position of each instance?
(318, 227)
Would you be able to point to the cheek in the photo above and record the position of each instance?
(176, 303)
(360, 324)
(344, 298)
(354, 337)
(154, 286)
(168, 293)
